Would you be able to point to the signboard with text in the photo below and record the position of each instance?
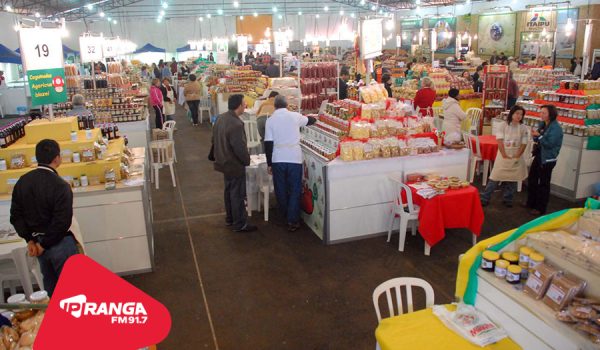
(111, 47)
(371, 38)
(42, 55)
(242, 44)
(91, 48)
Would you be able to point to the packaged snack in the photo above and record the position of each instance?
(17, 161)
(561, 291)
(346, 151)
(539, 279)
(87, 155)
(358, 151)
(471, 324)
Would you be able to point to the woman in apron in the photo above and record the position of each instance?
(170, 97)
(509, 166)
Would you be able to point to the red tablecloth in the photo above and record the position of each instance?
(488, 145)
(455, 209)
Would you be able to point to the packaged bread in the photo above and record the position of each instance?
(539, 279)
(561, 291)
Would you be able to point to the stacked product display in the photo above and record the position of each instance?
(26, 320)
(89, 157)
(578, 105)
(495, 91)
(533, 80)
(225, 79)
(442, 79)
(318, 83)
(555, 274)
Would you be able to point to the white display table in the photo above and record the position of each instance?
(115, 225)
(352, 200)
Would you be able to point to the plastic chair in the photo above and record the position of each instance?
(474, 115)
(438, 113)
(265, 187)
(396, 284)
(252, 136)
(169, 126)
(16, 269)
(162, 153)
(404, 211)
(204, 105)
(476, 157)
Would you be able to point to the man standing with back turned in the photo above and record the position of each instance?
(284, 157)
(41, 212)
(230, 154)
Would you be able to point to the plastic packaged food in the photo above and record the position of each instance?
(561, 291)
(488, 260)
(87, 155)
(539, 279)
(17, 161)
(500, 268)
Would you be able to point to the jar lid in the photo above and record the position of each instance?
(40, 295)
(16, 299)
(510, 256)
(537, 257)
(490, 255)
(516, 269)
(502, 263)
(525, 250)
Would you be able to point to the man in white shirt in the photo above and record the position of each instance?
(284, 157)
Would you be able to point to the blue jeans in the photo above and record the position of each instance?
(53, 259)
(508, 190)
(287, 178)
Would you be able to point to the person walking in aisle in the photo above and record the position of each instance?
(173, 66)
(548, 140)
(509, 167)
(156, 101)
(155, 71)
(169, 97)
(41, 212)
(165, 71)
(231, 158)
(192, 92)
(284, 158)
(513, 91)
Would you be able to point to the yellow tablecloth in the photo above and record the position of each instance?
(424, 331)
(464, 104)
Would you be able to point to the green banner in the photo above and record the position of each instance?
(47, 86)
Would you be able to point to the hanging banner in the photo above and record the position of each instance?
(371, 38)
(42, 55)
(281, 42)
(445, 28)
(91, 48)
(537, 21)
(111, 47)
(242, 44)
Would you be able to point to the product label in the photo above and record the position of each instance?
(523, 259)
(500, 272)
(555, 294)
(512, 277)
(533, 264)
(534, 283)
(486, 264)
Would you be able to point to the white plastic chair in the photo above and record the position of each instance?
(169, 126)
(17, 268)
(162, 153)
(404, 211)
(252, 136)
(396, 284)
(474, 115)
(438, 113)
(476, 157)
(204, 105)
(265, 187)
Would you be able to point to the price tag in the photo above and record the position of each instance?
(91, 48)
(111, 47)
(41, 48)
(242, 44)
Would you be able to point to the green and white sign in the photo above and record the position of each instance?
(42, 55)
(47, 86)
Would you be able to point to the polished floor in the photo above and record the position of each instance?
(272, 289)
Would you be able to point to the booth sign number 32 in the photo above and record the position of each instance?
(91, 49)
(42, 50)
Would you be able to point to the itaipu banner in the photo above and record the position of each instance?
(47, 86)
(94, 309)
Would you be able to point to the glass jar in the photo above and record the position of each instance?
(500, 268)
(511, 257)
(488, 260)
(513, 274)
(524, 253)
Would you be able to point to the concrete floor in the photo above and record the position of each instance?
(272, 289)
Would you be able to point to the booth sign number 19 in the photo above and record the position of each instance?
(42, 51)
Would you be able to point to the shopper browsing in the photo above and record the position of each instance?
(386, 79)
(548, 140)
(165, 71)
(78, 102)
(596, 68)
(169, 98)
(284, 157)
(192, 93)
(41, 212)
(273, 70)
(513, 91)
(453, 117)
(156, 101)
(343, 83)
(173, 66)
(264, 111)
(425, 96)
(231, 158)
(509, 166)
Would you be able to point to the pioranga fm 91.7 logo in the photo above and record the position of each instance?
(118, 313)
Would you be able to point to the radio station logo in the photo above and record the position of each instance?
(121, 313)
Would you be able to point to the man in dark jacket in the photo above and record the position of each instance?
(596, 68)
(41, 212)
(343, 82)
(231, 157)
(273, 70)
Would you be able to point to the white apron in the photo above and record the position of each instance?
(512, 170)
(169, 107)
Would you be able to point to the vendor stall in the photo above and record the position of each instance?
(12, 95)
(149, 54)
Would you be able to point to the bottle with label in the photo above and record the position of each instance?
(116, 131)
(84, 180)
